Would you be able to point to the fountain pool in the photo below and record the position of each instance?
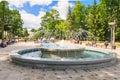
(62, 57)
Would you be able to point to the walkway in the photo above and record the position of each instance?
(10, 71)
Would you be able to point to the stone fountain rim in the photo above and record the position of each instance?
(17, 57)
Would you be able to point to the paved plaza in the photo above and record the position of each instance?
(10, 71)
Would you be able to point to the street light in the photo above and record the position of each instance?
(112, 24)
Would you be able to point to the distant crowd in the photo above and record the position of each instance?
(76, 41)
(4, 42)
(45, 40)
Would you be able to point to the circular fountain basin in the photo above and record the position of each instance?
(44, 58)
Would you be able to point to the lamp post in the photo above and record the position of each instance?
(112, 41)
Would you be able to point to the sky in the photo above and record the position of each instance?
(32, 10)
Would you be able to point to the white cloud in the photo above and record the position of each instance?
(30, 20)
(62, 7)
(19, 3)
(40, 2)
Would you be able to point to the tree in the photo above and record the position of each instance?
(92, 19)
(70, 21)
(25, 32)
(50, 20)
(4, 11)
(61, 29)
(79, 15)
(102, 22)
(33, 30)
(113, 9)
(16, 22)
(97, 21)
(10, 20)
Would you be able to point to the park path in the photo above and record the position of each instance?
(18, 46)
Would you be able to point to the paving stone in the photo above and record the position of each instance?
(39, 77)
(14, 77)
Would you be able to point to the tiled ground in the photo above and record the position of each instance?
(10, 71)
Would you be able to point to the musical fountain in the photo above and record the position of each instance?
(63, 55)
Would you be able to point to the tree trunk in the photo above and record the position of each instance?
(2, 31)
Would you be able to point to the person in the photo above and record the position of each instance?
(3, 43)
(44, 40)
(25, 40)
(106, 43)
(52, 40)
(93, 44)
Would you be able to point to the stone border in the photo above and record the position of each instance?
(61, 63)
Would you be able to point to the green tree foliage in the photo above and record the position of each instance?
(102, 23)
(50, 20)
(33, 30)
(70, 20)
(4, 11)
(79, 15)
(113, 12)
(97, 21)
(16, 22)
(61, 29)
(25, 32)
(10, 21)
(94, 18)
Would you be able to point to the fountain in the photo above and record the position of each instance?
(61, 50)
(63, 55)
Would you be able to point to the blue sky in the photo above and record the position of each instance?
(35, 8)
(32, 10)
